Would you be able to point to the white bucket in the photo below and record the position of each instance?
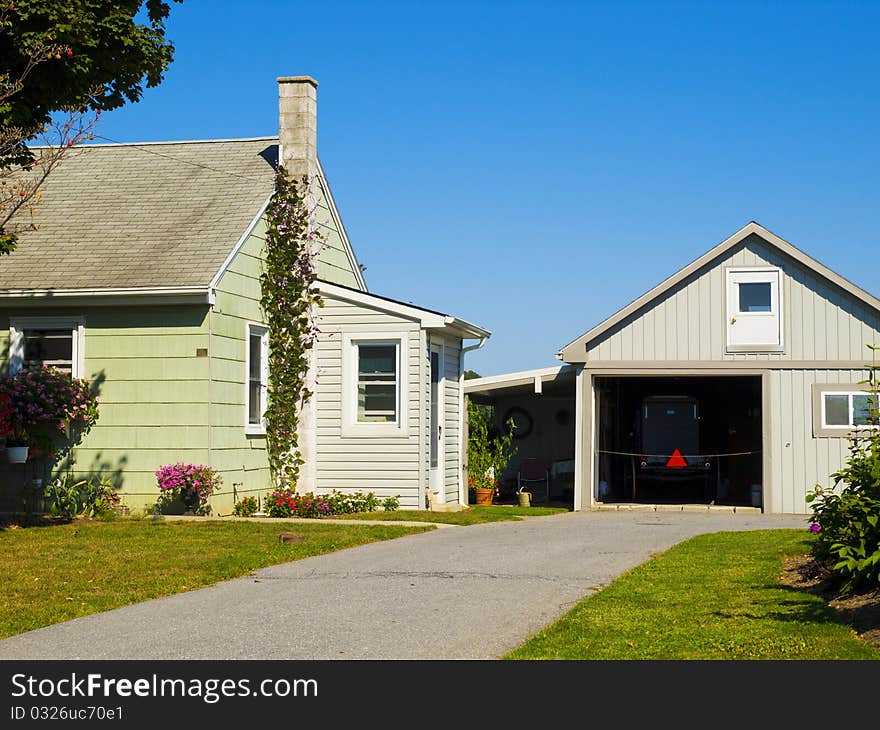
(17, 454)
(757, 494)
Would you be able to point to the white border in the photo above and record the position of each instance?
(350, 425)
(252, 429)
(733, 311)
(837, 427)
(76, 324)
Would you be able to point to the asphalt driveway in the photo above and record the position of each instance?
(463, 593)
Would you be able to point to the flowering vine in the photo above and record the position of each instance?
(288, 302)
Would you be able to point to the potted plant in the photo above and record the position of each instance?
(189, 484)
(488, 454)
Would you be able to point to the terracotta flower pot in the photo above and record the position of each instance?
(484, 496)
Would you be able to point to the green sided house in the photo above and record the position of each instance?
(143, 277)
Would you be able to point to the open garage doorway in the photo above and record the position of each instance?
(679, 440)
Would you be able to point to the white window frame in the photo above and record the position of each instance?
(251, 328)
(821, 429)
(847, 426)
(731, 307)
(76, 325)
(363, 429)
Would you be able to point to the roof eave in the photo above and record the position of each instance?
(164, 295)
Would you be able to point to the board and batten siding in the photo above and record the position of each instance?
(799, 460)
(153, 390)
(820, 321)
(385, 465)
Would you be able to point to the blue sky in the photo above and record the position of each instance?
(534, 166)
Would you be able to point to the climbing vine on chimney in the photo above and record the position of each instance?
(288, 302)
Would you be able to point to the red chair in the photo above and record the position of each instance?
(533, 471)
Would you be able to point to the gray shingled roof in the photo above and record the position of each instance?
(140, 215)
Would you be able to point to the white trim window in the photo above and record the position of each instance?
(846, 410)
(754, 309)
(374, 385)
(46, 342)
(256, 378)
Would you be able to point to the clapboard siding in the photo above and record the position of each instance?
(799, 460)
(386, 465)
(821, 321)
(153, 390)
(239, 458)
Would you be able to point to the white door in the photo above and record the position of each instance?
(437, 464)
(754, 309)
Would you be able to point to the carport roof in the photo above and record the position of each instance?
(485, 386)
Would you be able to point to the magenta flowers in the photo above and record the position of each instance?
(41, 406)
(191, 483)
(815, 527)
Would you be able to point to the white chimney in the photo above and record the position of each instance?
(298, 125)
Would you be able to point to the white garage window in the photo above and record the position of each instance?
(36, 342)
(754, 309)
(839, 409)
(848, 410)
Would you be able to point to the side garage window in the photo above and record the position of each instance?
(840, 409)
(847, 410)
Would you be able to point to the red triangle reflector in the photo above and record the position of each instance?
(676, 461)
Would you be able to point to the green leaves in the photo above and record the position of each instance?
(849, 515)
(288, 303)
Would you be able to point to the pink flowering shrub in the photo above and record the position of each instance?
(44, 407)
(192, 484)
(287, 503)
(5, 415)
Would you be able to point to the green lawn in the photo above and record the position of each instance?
(470, 516)
(712, 597)
(52, 574)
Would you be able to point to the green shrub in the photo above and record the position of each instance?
(847, 522)
(245, 507)
(68, 497)
(391, 504)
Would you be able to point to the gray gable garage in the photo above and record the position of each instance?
(734, 382)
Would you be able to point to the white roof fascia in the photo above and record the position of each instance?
(111, 296)
(427, 319)
(241, 241)
(523, 377)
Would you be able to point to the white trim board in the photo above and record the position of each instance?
(426, 318)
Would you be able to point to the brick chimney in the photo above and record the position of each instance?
(298, 125)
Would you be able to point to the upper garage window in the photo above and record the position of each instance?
(754, 309)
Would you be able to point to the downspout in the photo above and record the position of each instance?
(462, 413)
